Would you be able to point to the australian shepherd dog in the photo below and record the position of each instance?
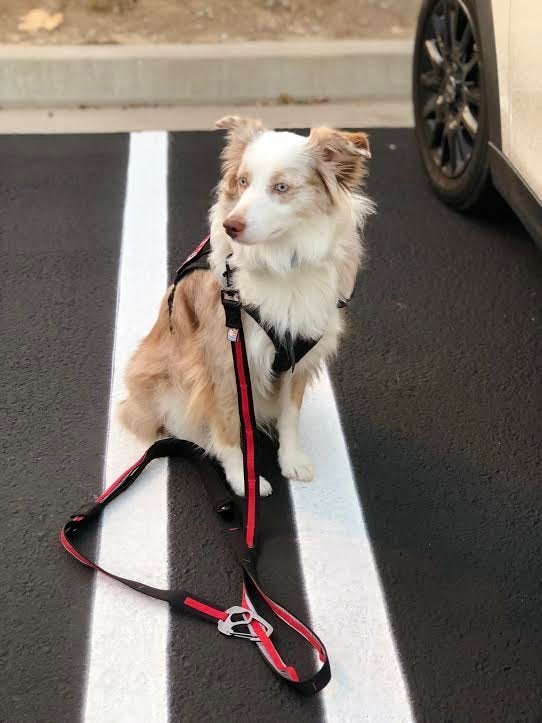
(289, 213)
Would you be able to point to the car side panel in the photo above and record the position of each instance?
(493, 19)
(525, 92)
(517, 193)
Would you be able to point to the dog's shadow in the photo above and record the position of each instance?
(275, 520)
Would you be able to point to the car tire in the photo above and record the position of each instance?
(450, 108)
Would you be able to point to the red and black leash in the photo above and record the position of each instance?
(244, 620)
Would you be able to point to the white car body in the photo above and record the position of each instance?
(518, 42)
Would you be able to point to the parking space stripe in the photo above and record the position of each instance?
(343, 590)
(127, 674)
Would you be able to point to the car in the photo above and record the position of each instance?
(477, 93)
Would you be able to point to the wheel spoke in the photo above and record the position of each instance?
(469, 121)
(465, 39)
(452, 149)
(439, 24)
(472, 95)
(435, 133)
(433, 53)
(469, 65)
(463, 149)
(430, 107)
(446, 35)
(452, 24)
(441, 152)
(430, 80)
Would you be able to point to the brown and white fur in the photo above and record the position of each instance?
(290, 211)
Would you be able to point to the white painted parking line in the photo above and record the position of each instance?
(344, 594)
(127, 674)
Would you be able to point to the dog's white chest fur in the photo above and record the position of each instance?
(301, 303)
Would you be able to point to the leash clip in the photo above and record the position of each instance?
(228, 626)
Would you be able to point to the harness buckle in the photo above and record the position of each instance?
(231, 301)
(231, 298)
(229, 625)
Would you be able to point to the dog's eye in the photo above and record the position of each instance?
(281, 187)
(243, 181)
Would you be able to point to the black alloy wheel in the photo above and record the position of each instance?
(449, 105)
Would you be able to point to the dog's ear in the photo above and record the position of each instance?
(239, 133)
(237, 127)
(341, 153)
(360, 141)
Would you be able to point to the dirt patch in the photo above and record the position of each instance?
(212, 21)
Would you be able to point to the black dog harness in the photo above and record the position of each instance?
(288, 351)
(243, 620)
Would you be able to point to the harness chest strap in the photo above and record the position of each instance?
(239, 620)
(288, 351)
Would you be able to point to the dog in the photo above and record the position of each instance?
(289, 214)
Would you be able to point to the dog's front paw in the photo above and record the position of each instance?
(265, 487)
(237, 484)
(295, 465)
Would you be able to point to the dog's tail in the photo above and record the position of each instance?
(139, 419)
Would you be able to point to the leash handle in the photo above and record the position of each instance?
(92, 511)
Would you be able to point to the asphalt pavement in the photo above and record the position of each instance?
(438, 389)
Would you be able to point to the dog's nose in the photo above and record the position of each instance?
(234, 226)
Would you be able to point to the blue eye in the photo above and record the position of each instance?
(281, 187)
(243, 181)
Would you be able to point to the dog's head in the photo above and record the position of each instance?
(273, 181)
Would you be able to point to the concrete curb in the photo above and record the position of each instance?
(380, 113)
(68, 76)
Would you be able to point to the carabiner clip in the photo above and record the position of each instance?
(228, 626)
